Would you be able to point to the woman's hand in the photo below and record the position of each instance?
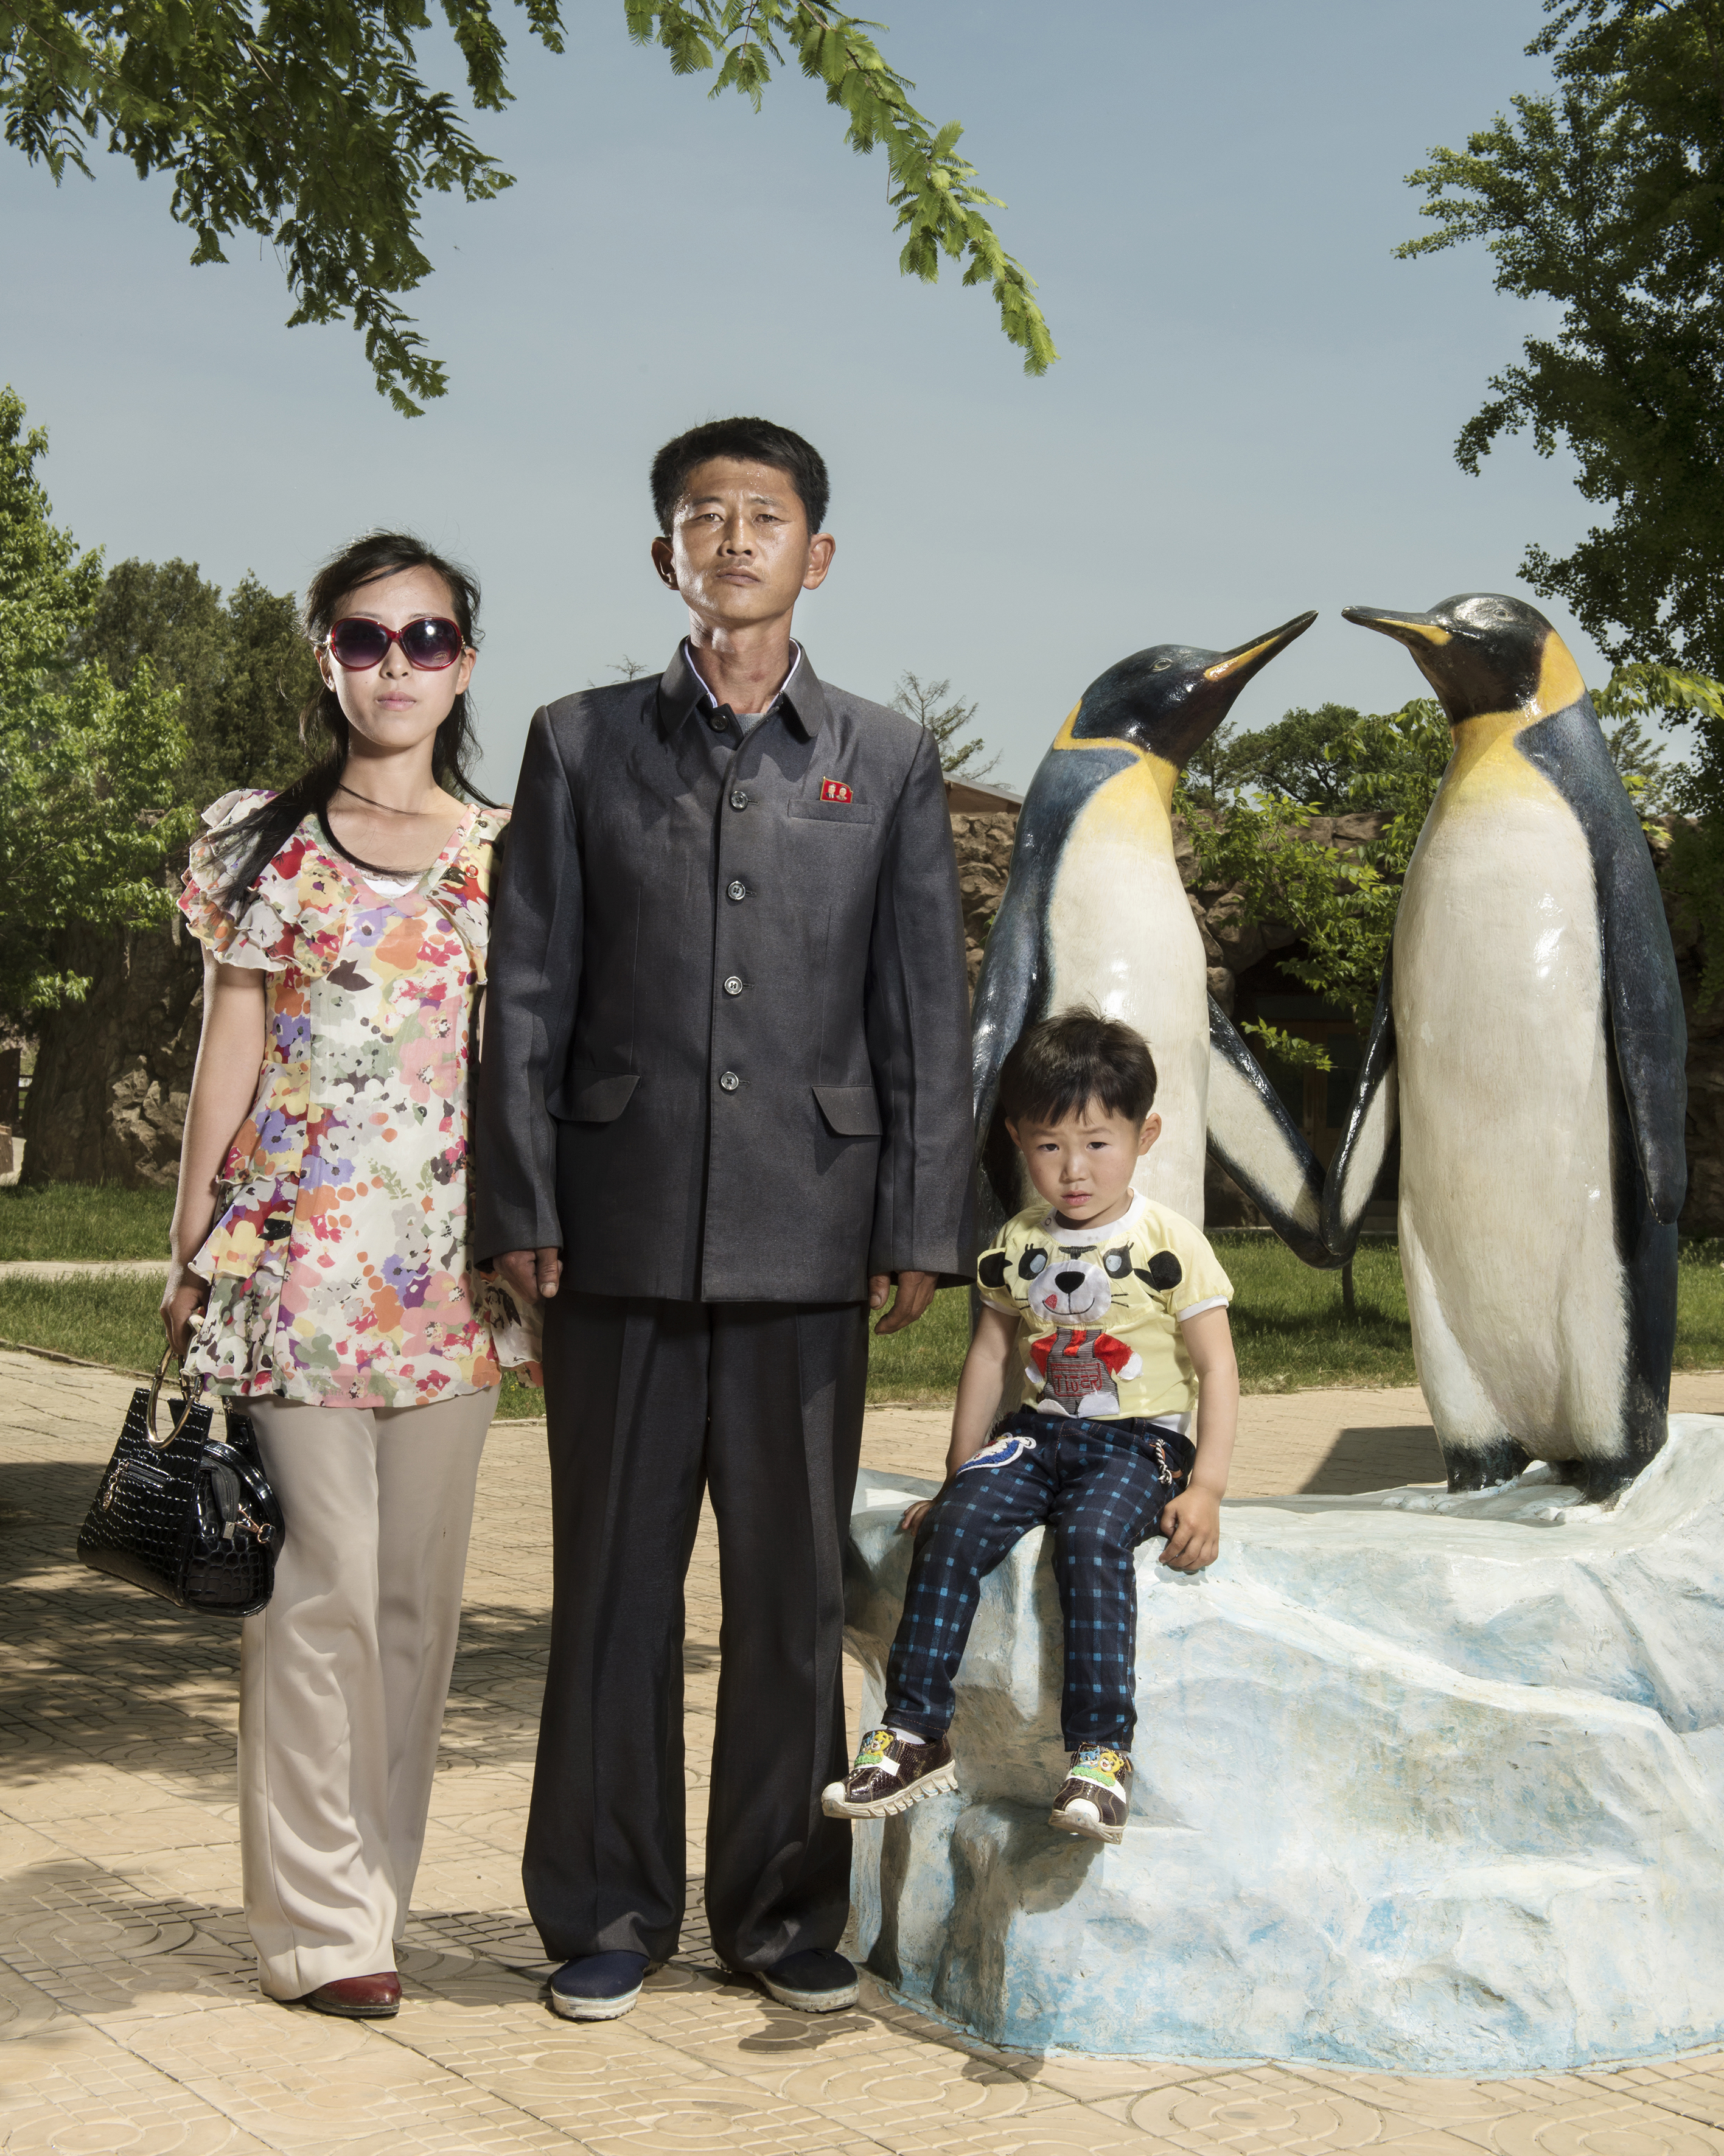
(182, 1305)
(914, 1515)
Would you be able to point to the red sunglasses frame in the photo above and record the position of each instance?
(395, 636)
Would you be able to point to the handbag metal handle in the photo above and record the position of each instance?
(162, 1444)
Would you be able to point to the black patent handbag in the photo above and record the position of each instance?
(191, 1516)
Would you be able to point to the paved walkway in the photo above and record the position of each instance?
(125, 1982)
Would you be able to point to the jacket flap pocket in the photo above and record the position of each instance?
(830, 812)
(589, 1099)
(852, 1111)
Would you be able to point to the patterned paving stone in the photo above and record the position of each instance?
(130, 2019)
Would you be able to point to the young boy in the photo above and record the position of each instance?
(1117, 1310)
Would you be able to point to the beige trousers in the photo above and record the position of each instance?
(343, 1676)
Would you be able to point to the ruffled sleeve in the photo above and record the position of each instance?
(463, 891)
(293, 915)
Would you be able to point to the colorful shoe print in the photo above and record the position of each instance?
(1096, 1798)
(891, 1774)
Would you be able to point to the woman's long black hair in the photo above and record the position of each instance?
(248, 847)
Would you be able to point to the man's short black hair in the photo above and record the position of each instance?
(753, 441)
(1061, 1065)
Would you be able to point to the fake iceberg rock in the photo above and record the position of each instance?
(1427, 1783)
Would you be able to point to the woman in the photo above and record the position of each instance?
(320, 1269)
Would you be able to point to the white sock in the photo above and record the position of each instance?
(906, 1736)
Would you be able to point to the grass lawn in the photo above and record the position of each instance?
(1288, 1324)
(83, 1220)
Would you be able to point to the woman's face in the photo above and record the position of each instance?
(393, 705)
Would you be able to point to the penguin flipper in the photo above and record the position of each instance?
(1373, 1126)
(1642, 993)
(1261, 1147)
(1007, 991)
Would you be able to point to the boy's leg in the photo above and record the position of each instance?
(1111, 1499)
(969, 1531)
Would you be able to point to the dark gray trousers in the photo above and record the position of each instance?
(647, 1403)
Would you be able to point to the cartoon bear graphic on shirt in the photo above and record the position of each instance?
(1078, 1369)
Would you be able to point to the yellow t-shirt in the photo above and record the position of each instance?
(1099, 1309)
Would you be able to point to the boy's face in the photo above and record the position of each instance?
(1083, 1165)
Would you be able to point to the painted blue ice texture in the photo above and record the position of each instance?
(1429, 1783)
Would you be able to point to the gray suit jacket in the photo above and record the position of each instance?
(726, 1033)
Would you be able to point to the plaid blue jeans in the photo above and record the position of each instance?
(1101, 1487)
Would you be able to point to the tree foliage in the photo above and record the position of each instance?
(922, 701)
(308, 123)
(245, 668)
(87, 813)
(1342, 900)
(1608, 197)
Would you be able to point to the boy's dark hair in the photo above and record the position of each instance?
(752, 441)
(1077, 1056)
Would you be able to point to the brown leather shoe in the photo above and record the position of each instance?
(358, 1998)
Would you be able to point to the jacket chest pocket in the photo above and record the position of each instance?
(851, 814)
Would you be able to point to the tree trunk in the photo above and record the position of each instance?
(107, 1103)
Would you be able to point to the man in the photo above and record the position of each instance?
(724, 1105)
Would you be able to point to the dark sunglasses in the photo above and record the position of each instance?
(430, 644)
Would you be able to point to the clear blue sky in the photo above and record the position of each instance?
(1254, 411)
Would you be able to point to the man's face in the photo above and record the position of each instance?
(740, 550)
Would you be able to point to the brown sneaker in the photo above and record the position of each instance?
(891, 1774)
(1095, 1798)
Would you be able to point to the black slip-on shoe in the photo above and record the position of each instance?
(815, 1981)
(599, 1986)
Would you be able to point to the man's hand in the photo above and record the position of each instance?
(915, 1292)
(1193, 1526)
(531, 1275)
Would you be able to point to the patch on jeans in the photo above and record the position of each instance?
(1000, 1453)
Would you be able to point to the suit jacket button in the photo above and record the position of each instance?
(733, 984)
(729, 1081)
(739, 799)
(738, 889)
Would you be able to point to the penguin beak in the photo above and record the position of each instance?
(1417, 631)
(1236, 667)
(1206, 698)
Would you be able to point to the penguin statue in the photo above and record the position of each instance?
(1528, 1043)
(1094, 913)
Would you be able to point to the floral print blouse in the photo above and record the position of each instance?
(340, 1265)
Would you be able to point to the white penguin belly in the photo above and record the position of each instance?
(1122, 938)
(1519, 1311)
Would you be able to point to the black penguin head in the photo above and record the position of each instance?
(1482, 651)
(1170, 699)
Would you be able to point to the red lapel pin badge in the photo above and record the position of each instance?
(834, 789)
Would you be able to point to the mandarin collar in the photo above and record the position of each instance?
(800, 702)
